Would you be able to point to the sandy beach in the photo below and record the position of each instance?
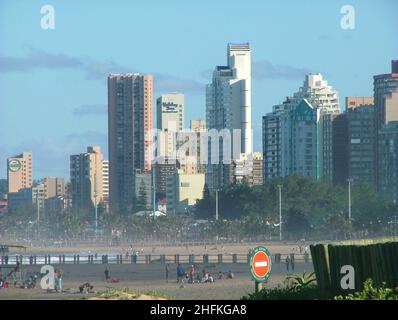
(151, 277)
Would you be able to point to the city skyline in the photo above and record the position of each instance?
(61, 60)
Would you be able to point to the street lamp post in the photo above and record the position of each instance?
(96, 204)
(280, 211)
(216, 204)
(38, 214)
(154, 192)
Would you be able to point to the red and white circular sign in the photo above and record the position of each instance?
(261, 264)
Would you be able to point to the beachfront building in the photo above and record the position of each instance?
(86, 181)
(20, 172)
(385, 92)
(182, 191)
(228, 106)
(299, 152)
(340, 150)
(388, 160)
(129, 138)
(105, 183)
(361, 142)
(298, 134)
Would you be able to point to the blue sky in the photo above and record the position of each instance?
(53, 91)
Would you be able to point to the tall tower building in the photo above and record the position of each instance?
(19, 172)
(388, 159)
(385, 93)
(228, 97)
(86, 171)
(272, 140)
(361, 141)
(386, 103)
(228, 105)
(129, 134)
(300, 138)
(105, 181)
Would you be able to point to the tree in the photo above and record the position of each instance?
(297, 224)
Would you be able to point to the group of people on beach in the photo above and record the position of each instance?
(14, 275)
(29, 282)
(189, 277)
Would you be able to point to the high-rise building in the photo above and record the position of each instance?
(105, 182)
(318, 93)
(20, 172)
(86, 171)
(272, 140)
(300, 149)
(340, 149)
(386, 107)
(385, 92)
(298, 134)
(129, 134)
(388, 160)
(361, 141)
(228, 106)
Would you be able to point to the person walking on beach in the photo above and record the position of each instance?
(292, 261)
(287, 262)
(107, 277)
(58, 280)
(180, 272)
(167, 272)
(192, 273)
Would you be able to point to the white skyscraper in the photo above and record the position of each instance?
(228, 105)
(228, 97)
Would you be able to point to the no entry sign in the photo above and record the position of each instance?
(260, 264)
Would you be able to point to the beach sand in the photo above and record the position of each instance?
(151, 277)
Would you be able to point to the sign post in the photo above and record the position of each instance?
(260, 266)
